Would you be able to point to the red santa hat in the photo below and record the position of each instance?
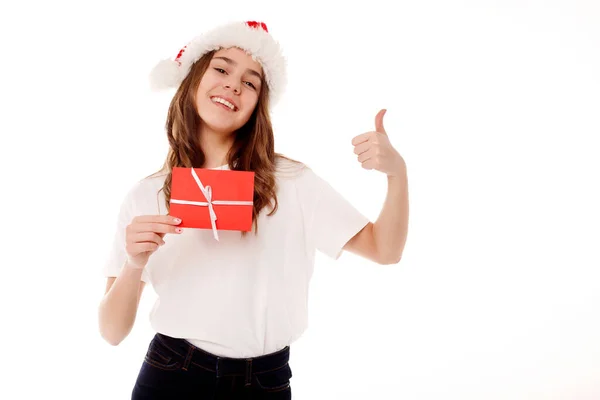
(251, 36)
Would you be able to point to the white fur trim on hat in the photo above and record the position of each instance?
(251, 36)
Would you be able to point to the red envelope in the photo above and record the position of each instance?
(222, 186)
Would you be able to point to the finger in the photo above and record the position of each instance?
(367, 155)
(361, 138)
(136, 248)
(361, 148)
(369, 164)
(163, 219)
(379, 122)
(154, 227)
(147, 237)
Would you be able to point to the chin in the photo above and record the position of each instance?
(219, 123)
(219, 126)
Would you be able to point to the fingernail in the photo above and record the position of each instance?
(178, 230)
(177, 220)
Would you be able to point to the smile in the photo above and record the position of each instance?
(224, 102)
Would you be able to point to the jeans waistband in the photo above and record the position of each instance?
(225, 365)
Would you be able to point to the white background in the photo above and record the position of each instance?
(494, 105)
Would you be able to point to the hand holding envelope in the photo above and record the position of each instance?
(212, 199)
(144, 235)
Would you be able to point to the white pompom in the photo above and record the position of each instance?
(165, 75)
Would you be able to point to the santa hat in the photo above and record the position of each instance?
(251, 36)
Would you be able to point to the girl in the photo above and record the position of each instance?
(228, 310)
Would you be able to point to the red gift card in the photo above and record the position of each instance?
(212, 199)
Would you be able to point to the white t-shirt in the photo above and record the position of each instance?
(241, 297)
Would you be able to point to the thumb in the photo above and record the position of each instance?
(379, 122)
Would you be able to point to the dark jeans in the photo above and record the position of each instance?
(175, 369)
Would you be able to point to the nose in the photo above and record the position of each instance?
(234, 86)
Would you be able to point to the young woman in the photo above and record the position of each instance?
(228, 310)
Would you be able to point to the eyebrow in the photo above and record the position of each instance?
(232, 62)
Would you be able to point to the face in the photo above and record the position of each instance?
(228, 91)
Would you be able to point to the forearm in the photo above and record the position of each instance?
(118, 308)
(391, 228)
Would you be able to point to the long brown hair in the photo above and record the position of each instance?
(253, 148)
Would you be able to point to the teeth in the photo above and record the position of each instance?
(222, 101)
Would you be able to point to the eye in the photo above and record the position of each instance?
(221, 70)
(251, 84)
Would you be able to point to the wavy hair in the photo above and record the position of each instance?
(253, 148)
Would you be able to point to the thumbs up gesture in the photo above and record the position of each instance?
(375, 151)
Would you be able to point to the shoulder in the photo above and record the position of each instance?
(148, 185)
(143, 194)
(288, 169)
(291, 173)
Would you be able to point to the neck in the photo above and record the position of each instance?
(215, 146)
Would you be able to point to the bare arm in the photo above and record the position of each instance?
(391, 228)
(383, 241)
(119, 305)
(118, 308)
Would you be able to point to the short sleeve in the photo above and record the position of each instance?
(117, 254)
(333, 220)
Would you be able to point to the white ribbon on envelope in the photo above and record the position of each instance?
(207, 191)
